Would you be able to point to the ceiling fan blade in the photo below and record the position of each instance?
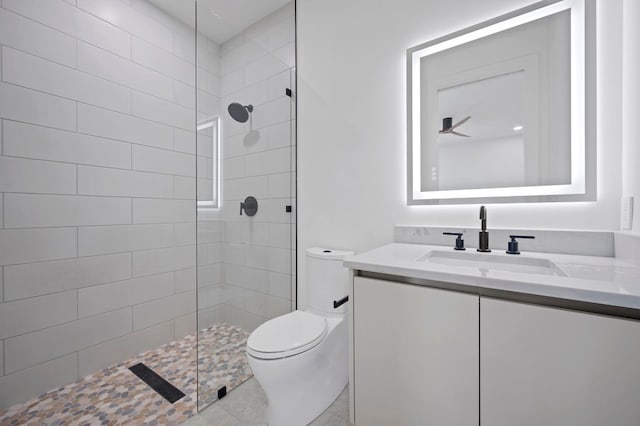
(460, 134)
(461, 122)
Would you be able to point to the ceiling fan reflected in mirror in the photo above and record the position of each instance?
(449, 127)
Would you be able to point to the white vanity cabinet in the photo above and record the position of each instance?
(549, 366)
(415, 355)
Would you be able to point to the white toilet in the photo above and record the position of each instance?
(301, 358)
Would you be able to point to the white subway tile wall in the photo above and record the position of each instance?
(97, 186)
(258, 281)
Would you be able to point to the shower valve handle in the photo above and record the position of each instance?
(249, 206)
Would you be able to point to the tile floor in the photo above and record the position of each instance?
(115, 396)
(246, 405)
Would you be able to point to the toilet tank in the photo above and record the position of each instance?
(327, 279)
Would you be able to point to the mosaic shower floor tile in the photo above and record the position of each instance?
(115, 396)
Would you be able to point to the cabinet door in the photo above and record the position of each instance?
(416, 355)
(548, 366)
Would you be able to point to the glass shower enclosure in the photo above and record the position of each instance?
(245, 151)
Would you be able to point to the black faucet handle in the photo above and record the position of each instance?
(512, 246)
(459, 240)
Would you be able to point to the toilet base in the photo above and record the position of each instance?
(299, 388)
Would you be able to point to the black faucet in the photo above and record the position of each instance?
(483, 235)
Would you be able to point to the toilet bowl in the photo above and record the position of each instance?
(301, 358)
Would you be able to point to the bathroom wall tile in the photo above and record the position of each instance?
(233, 168)
(185, 325)
(74, 22)
(280, 185)
(130, 20)
(114, 182)
(273, 210)
(184, 188)
(35, 313)
(184, 280)
(208, 104)
(35, 73)
(208, 55)
(208, 82)
(115, 239)
(282, 34)
(273, 112)
(114, 68)
(156, 261)
(26, 384)
(161, 310)
(255, 94)
(246, 277)
(280, 285)
(163, 161)
(231, 82)
(278, 84)
(237, 58)
(29, 211)
(24, 34)
(30, 106)
(109, 297)
(163, 111)
(24, 175)
(209, 316)
(234, 253)
(276, 306)
(234, 296)
(209, 231)
(280, 235)
(280, 135)
(108, 353)
(36, 279)
(163, 211)
(279, 260)
(109, 124)
(33, 245)
(287, 55)
(45, 143)
(149, 9)
(238, 189)
(155, 58)
(184, 94)
(184, 43)
(256, 257)
(184, 141)
(184, 233)
(263, 68)
(33, 348)
(209, 274)
(256, 303)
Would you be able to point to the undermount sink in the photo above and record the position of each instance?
(493, 262)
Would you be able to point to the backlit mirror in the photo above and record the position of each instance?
(503, 111)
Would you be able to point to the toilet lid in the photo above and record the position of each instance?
(287, 335)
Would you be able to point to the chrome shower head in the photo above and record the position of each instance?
(239, 112)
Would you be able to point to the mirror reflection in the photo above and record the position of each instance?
(491, 108)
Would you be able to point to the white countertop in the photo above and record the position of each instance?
(603, 280)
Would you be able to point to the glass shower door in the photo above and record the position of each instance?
(245, 184)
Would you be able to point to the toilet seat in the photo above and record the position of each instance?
(287, 335)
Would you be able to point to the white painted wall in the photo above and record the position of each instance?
(631, 106)
(352, 127)
(97, 175)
